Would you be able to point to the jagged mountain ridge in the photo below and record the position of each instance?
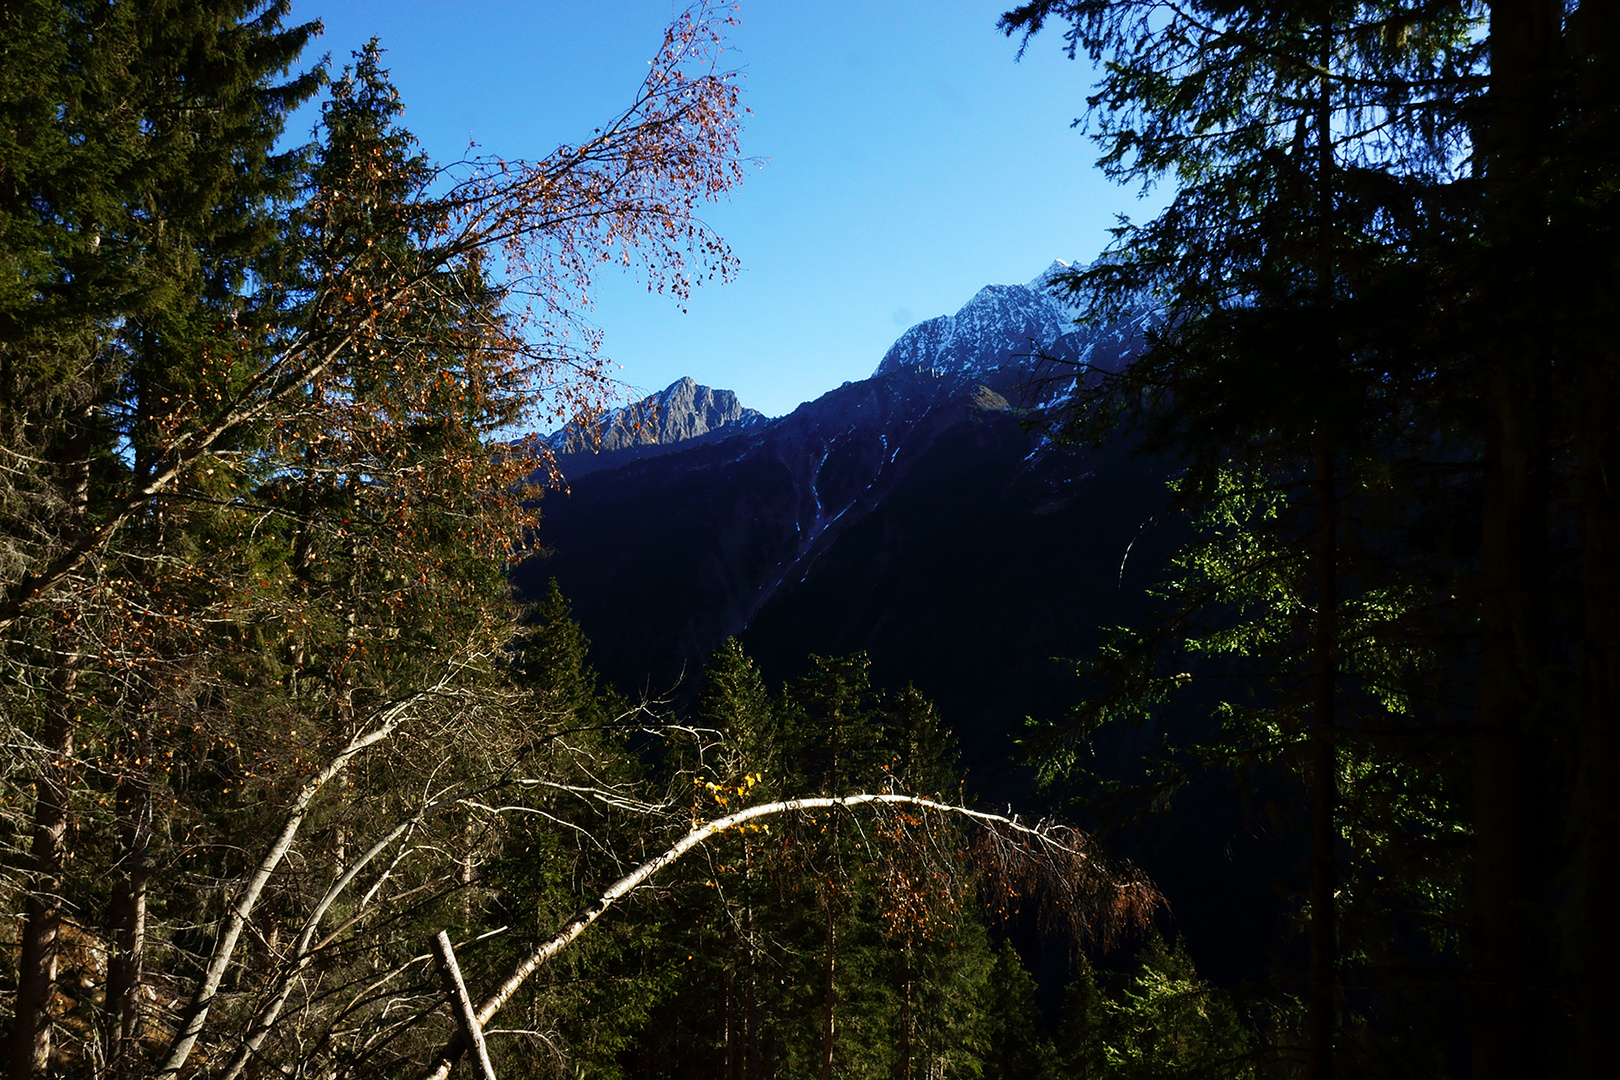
(1002, 324)
(683, 411)
(721, 533)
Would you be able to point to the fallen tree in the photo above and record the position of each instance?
(1049, 859)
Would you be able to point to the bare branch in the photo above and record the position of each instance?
(202, 1000)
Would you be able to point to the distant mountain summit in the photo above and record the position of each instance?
(1001, 325)
(683, 410)
(682, 415)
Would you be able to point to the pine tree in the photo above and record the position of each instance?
(151, 189)
(1016, 1047)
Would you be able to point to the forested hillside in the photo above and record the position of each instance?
(293, 785)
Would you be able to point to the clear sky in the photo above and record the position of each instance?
(905, 160)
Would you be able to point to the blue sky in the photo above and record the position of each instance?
(906, 160)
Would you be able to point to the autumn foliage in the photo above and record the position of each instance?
(258, 484)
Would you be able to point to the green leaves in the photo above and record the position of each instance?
(1156, 1022)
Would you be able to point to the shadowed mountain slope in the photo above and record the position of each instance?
(920, 516)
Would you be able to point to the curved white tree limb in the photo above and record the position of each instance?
(699, 835)
(302, 953)
(197, 1016)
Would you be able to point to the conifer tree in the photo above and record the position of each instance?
(1160, 1020)
(1313, 149)
(910, 953)
(1016, 1048)
(1465, 135)
(155, 198)
(1300, 165)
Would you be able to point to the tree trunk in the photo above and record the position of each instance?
(1512, 830)
(1320, 1003)
(1594, 934)
(39, 950)
(829, 998)
(1512, 775)
(750, 1053)
(127, 914)
(42, 912)
(902, 1069)
(1592, 945)
(732, 1065)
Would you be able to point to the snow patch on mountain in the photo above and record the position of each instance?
(1043, 281)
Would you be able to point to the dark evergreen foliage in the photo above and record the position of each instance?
(817, 944)
(1362, 356)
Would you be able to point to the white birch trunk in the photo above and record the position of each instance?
(594, 910)
(180, 1049)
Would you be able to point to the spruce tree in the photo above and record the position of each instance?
(1158, 1021)
(757, 926)
(1305, 176)
(145, 190)
(1016, 1047)
(1473, 175)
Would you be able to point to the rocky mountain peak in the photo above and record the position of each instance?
(1043, 280)
(1000, 324)
(685, 409)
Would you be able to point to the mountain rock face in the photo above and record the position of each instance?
(920, 515)
(1001, 325)
(680, 413)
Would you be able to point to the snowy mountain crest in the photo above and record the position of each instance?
(1001, 324)
(1042, 282)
